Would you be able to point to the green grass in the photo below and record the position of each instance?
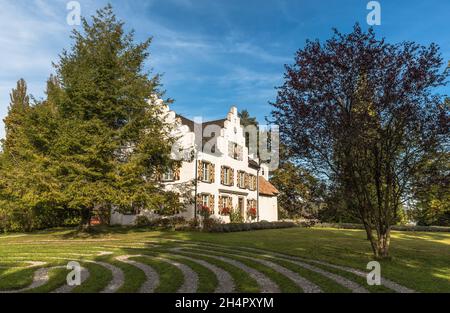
(420, 260)
(16, 278)
(326, 284)
(207, 281)
(134, 277)
(285, 284)
(243, 281)
(99, 278)
(57, 278)
(170, 277)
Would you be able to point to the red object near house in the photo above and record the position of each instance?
(252, 212)
(225, 211)
(95, 220)
(205, 211)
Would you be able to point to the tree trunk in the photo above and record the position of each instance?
(370, 237)
(380, 243)
(384, 240)
(85, 218)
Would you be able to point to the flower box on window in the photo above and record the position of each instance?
(252, 213)
(225, 211)
(205, 211)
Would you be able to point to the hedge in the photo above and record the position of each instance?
(395, 227)
(235, 227)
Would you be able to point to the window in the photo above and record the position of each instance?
(225, 205)
(205, 200)
(168, 175)
(235, 151)
(241, 179)
(252, 182)
(205, 171)
(226, 176)
(226, 201)
(251, 203)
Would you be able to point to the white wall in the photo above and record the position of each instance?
(121, 219)
(268, 208)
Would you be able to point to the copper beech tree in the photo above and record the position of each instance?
(363, 114)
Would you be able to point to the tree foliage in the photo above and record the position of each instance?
(431, 189)
(301, 194)
(246, 119)
(362, 112)
(97, 141)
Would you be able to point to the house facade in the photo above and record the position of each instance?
(223, 176)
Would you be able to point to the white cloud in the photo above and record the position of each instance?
(29, 33)
(32, 33)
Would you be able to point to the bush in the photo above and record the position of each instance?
(307, 222)
(236, 227)
(211, 223)
(236, 217)
(142, 221)
(163, 222)
(395, 227)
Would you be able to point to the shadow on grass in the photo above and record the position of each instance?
(102, 231)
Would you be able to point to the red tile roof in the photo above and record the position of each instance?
(266, 188)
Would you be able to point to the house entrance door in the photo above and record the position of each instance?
(241, 206)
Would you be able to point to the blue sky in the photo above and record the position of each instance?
(213, 53)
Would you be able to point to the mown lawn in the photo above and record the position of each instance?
(420, 260)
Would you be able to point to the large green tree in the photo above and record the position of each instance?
(363, 113)
(430, 203)
(28, 188)
(99, 135)
(113, 139)
(301, 194)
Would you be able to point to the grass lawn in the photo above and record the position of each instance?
(420, 260)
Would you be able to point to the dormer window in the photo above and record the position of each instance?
(235, 151)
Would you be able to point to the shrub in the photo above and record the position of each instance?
(236, 217)
(194, 223)
(142, 221)
(173, 222)
(307, 222)
(236, 227)
(211, 223)
(395, 227)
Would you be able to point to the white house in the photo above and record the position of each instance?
(224, 175)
